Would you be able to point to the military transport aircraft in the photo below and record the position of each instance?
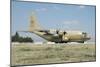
(57, 36)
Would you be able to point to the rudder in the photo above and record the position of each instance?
(33, 23)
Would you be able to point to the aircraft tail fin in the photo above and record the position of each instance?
(33, 23)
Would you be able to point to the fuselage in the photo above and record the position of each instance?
(62, 36)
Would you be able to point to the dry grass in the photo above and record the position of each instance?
(25, 54)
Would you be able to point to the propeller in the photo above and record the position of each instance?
(64, 32)
(57, 31)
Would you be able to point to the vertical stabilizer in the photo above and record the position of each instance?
(33, 23)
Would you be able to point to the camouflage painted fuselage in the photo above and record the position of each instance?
(63, 36)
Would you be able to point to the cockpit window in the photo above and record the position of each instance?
(84, 34)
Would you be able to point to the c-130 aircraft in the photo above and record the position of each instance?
(57, 36)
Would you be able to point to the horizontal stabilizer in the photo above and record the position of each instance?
(25, 31)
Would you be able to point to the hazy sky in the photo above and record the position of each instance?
(53, 16)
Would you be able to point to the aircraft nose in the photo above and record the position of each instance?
(88, 37)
